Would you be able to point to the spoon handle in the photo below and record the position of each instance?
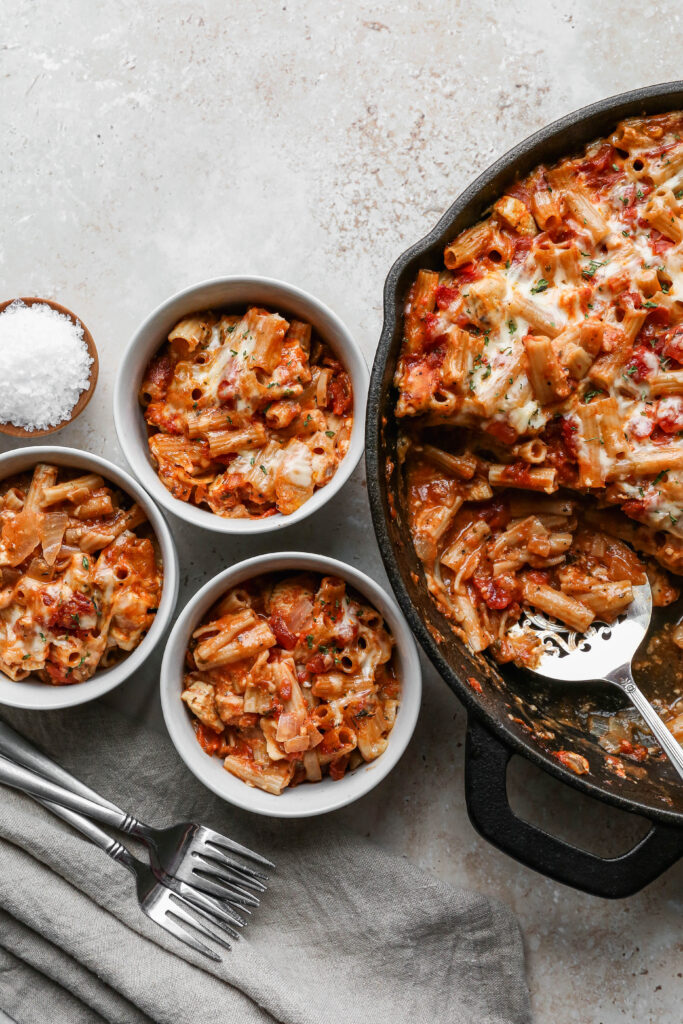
(664, 737)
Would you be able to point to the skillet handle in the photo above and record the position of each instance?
(486, 762)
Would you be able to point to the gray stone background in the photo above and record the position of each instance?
(145, 147)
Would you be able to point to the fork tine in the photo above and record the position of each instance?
(196, 919)
(206, 870)
(244, 870)
(222, 889)
(218, 870)
(227, 915)
(166, 921)
(223, 843)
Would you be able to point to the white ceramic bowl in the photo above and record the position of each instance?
(41, 696)
(308, 799)
(233, 292)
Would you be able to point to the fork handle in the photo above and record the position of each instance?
(112, 847)
(664, 737)
(19, 750)
(23, 779)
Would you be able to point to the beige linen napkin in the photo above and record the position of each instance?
(345, 935)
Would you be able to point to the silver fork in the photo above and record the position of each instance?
(169, 908)
(603, 653)
(190, 852)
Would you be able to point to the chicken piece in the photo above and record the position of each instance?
(230, 706)
(201, 700)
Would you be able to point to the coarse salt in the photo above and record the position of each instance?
(44, 365)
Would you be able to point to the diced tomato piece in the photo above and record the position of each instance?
(569, 429)
(669, 414)
(209, 740)
(538, 576)
(319, 663)
(502, 432)
(497, 592)
(338, 767)
(629, 300)
(659, 243)
(434, 335)
(285, 690)
(642, 365)
(634, 508)
(635, 751)
(672, 344)
(67, 616)
(599, 168)
(468, 272)
(517, 473)
(445, 296)
(158, 414)
(521, 249)
(59, 674)
(495, 512)
(283, 633)
(340, 395)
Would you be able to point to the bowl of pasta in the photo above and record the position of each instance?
(88, 577)
(291, 684)
(240, 403)
(525, 461)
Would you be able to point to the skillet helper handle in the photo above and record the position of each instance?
(486, 762)
(18, 749)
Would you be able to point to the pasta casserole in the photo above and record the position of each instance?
(540, 386)
(80, 576)
(290, 677)
(247, 414)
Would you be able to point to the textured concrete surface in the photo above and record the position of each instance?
(148, 146)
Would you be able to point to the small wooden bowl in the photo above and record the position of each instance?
(9, 428)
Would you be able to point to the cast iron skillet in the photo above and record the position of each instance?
(509, 702)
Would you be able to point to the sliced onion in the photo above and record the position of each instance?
(288, 725)
(40, 570)
(21, 535)
(52, 530)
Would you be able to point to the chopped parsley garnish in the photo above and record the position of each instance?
(309, 641)
(592, 268)
(264, 470)
(512, 326)
(540, 286)
(650, 305)
(329, 433)
(86, 563)
(307, 420)
(591, 394)
(660, 476)
(233, 351)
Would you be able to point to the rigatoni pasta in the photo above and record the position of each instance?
(292, 677)
(80, 575)
(553, 342)
(247, 414)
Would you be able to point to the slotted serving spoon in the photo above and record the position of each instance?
(604, 653)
